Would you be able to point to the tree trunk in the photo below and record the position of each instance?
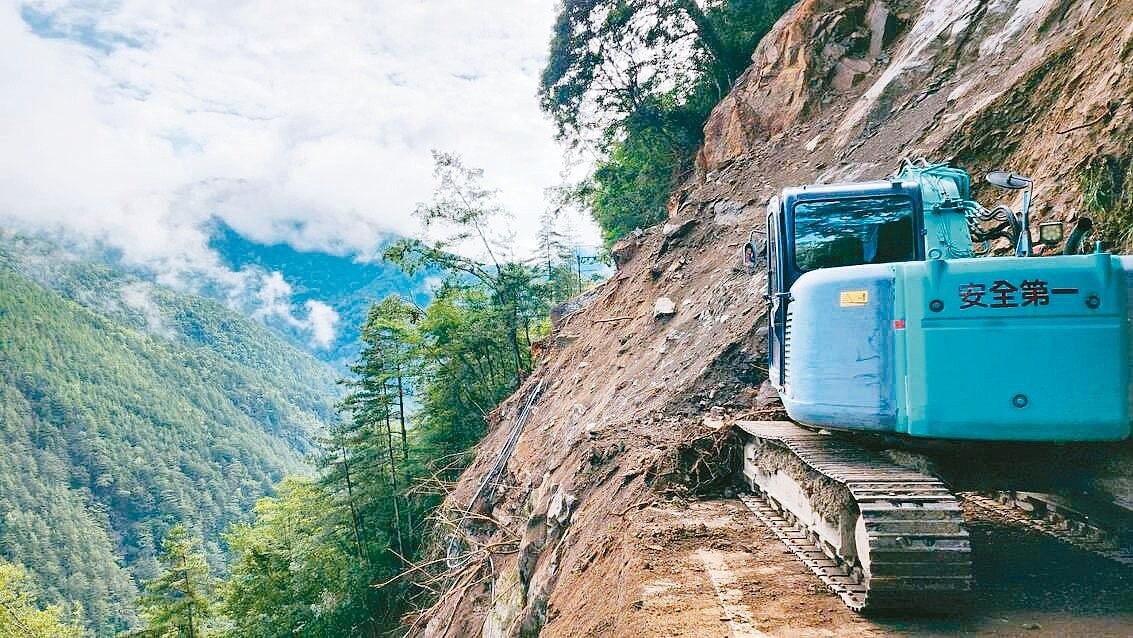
(404, 438)
(513, 336)
(355, 519)
(189, 592)
(392, 471)
(401, 413)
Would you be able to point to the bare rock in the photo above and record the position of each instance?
(678, 229)
(767, 395)
(535, 615)
(881, 27)
(623, 250)
(508, 600)
(848, 72)
(725, 211)
(664, 308)
(570, 306)
(559, 511)
(671, 233)
(787, 79)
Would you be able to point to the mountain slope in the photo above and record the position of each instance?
(629, 425)
(112, 432)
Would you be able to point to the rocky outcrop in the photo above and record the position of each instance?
(816, 47)
(520, 592)
(1031, 84)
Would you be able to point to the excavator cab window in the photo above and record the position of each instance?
(851, 231)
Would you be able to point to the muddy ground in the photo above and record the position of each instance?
(709, 568)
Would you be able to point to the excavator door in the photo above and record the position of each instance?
(777, 296)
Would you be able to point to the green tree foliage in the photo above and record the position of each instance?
(176, 602)
(630, 188)
(112, 429)
(309, 561)
(20, 614)
(472, 218)
(296, 569)
(323, 558)
(636, 79)
(1107, 193)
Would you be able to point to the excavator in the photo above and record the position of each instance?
(891, 328)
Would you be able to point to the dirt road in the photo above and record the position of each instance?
(709, 568)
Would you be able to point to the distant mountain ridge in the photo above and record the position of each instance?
(347, 283)
(126, 407)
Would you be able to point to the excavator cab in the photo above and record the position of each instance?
(882, 319)
(833, 226)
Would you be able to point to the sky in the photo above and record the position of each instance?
(309, 123)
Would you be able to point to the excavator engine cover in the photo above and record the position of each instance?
(1009, 349)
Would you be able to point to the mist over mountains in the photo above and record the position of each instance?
(318, 282)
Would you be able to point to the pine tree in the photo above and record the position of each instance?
(20, 614)
(634, 81)
(176, 603)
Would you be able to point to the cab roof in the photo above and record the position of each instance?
(851, 189)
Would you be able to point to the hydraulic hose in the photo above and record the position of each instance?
(1074, 243)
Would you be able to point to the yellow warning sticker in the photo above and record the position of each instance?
(853, 298)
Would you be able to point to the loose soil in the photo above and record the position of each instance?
(710, 568)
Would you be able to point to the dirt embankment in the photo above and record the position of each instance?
(595, 527)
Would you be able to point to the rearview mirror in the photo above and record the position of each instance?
(1007, 179)
(1050, 233)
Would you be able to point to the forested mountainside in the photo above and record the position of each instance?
(347, 283)
(126, 408)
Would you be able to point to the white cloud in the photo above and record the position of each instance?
(137, 296)
(322, 320)
(135, 121)
(273, 295)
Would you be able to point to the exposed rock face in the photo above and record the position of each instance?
(986, 83)
(816, 46)
(664, 307)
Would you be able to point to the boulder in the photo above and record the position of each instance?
(849, 71)
(790, 73)
(623, 250)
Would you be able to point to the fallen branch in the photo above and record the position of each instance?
(622, 318)
(1086, 125)
(637, 506)
(456, 605)
(415, 568)
(432, 611)
(1111, 108)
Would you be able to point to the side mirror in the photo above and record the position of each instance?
(1015, 181)
(1009, 180)
(1050, 233)
(754, 248)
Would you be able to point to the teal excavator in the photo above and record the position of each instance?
(889, 327)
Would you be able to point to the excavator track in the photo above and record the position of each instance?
(897, 538)
(1048, 515)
